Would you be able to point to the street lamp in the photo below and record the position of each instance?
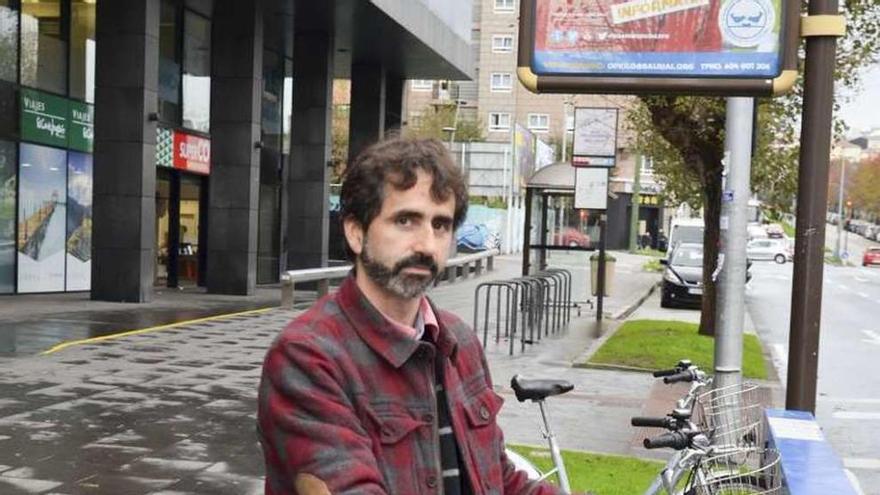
(566, 103)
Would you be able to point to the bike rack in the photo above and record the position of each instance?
(533, 307)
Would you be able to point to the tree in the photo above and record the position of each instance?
(439, 117)
(685, 137)
(865, 187)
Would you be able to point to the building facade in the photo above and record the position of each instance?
(496, 99)
(186, 142)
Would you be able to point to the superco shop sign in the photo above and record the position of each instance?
(192, 153)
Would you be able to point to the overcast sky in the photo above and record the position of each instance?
(863, 110)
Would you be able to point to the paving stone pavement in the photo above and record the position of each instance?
(172, 412)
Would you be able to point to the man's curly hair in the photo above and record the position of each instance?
(394, 162)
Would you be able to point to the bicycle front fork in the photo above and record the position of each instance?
(560, 471)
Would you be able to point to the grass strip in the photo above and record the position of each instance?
(659, 344)
(601, 474)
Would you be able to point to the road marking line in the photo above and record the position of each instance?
(866, 296)
(860, 279)
(841, 286)
(70, 343)
(849, 401)
(861, 463)
(855, 415)
(854, 482)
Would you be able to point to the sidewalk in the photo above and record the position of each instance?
(172, 411)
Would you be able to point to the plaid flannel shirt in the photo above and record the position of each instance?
(348, 399)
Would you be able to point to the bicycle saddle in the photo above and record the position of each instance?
(526, 389)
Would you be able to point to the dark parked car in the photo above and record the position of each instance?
(683, 277)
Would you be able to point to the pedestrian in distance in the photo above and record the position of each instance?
(374, 389)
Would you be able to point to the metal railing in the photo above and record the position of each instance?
(525, 308)
(459, 267)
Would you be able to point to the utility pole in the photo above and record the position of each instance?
(821, 27)
(734, 219)
(634, 214)
(600, 273)
(840, 208)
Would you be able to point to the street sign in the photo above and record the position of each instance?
(591, 188)
(595, 137)
(695, 47)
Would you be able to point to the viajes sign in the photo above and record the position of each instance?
(44, 118)
(81, 135)
(56, 121)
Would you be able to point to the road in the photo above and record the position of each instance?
(853, 244)
(848, 401)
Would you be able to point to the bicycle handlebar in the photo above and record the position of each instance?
(651, 422)
(677, 440)
(684, 376)
(661, 373)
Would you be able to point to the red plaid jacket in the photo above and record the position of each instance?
(346, 399)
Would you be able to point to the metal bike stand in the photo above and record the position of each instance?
(566, 296)
(510, 304)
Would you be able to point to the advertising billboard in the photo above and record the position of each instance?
(79, 221)
(7, 217)
(668, 38)
(42, 218)
(696, 47)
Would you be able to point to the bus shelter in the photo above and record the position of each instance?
(551, 221)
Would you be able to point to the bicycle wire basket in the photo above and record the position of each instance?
(746, 471)
(732, 416)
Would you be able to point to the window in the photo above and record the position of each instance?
(502, 43)
(43, 46)
(422, 85)
(82, 50)
(504, 5)
(169, 63)
(539, 122)
(499, 121)
(196, 72)
(502, 82)
(8, 41)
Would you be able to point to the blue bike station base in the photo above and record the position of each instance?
(809, 464)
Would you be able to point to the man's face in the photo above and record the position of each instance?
(407, 244)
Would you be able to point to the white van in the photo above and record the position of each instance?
(685, 230)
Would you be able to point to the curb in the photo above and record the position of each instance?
(612, 367)
(635, 305)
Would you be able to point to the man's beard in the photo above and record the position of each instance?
(392, 279)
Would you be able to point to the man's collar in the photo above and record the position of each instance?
(379, 333)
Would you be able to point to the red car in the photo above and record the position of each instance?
(871, 256)
(572, 238)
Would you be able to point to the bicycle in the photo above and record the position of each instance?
(538, 391)
(719, 450)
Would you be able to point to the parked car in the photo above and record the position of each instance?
(683, 277)
(775, 231)
(778, 250)
(871, 256)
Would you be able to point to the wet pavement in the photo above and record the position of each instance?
(172, 411)
(31, 324)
